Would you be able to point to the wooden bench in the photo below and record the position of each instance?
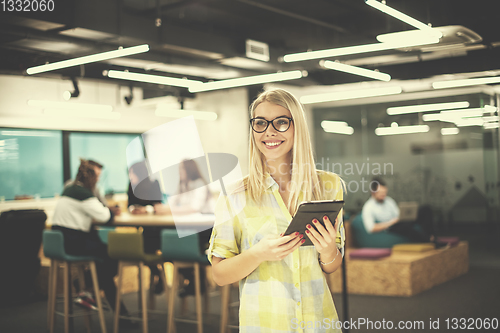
(402, 273)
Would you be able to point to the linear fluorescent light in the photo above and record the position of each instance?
(348, 130)
(352, 94)
(465, 82)
(172, 113)
(354, 70)
(70, 106)
(449, 131)
(490, 125)
(491, 119)
(338, 127)
(358, 49)
(469, 122)
(246, 81)
(169, 81)
(89, 59)
(402, 17)
(26, 133)
(333, 123)
(413, 35)
(393, 130)
(82, 114)
(426, 107)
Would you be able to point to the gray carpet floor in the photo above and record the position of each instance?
(473, 295)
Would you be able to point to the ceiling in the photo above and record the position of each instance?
(205, 39)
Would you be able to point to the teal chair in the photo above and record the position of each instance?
(128, 249)
(381, 239)
(183, 253)
(53, 248)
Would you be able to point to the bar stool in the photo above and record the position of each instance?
(53, 248)
(128, 248)
(183, 252)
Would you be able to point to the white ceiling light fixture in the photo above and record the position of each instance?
(351, 94)
(403, 17)
(491, 125)
(338, 127)
(247, 81)
(395, 129)
(426, 107)
(70, 106)
(169, 81)
(82, 114)
(122, 52)
(167, 111)
(449, 131)
(465, 82)
(469, 122)
(341, 51)
(354, 70)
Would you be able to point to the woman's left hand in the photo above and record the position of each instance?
(324, 239)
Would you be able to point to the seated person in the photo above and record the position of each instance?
(193, 197)
(381, 213)
(73, 216)
(98, 170)
(142, 192)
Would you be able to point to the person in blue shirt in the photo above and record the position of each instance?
(381, 213)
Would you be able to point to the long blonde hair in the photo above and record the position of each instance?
(304, 176)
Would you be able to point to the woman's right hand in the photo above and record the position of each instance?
(274, 248)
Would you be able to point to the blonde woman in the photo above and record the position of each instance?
(282, 285)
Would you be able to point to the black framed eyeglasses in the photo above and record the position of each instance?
(281, 124)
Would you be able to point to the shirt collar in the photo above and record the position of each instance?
(269, 182)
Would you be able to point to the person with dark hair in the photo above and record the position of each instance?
(142, 193)
(76, 210)
(381, 213)
(98, 170)
(193, 197)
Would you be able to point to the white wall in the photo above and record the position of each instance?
(229, 133)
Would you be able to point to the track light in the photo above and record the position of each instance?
(67, 95)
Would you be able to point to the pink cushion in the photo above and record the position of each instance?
(452, 241)
(369, 253)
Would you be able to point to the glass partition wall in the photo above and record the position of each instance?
(456, 174)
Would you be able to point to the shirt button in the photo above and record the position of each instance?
(298, 303)
(296, 285)
(296, 265)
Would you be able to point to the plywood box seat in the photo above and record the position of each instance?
(402, 273)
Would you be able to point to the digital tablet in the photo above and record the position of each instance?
(313, 210)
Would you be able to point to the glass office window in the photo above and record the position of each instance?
(107, 149)
(30, 163)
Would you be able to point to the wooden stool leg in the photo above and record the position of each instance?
(206, 299)
(199, 315)
(143, 299)
(49, 299)
(151, 293)
(118, 296)
(163, 277)
(97, 292)
(53, 290)
(67, 296)
(224, 307)
(171, 302)
(81, 282)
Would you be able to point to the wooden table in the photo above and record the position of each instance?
(154, 220)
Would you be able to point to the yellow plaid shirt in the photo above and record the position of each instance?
(290, 295)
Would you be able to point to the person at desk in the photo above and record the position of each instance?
(144, 195)
(73, 216)
(97, 193)
(193, 196)
(381, 213)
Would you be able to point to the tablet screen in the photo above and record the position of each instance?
(313, 210)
